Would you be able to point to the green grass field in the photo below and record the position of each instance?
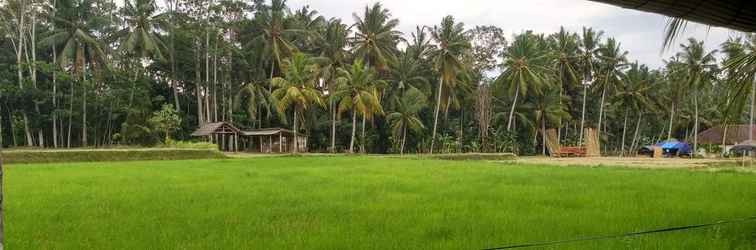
(366, 203)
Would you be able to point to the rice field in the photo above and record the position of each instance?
(363, 202)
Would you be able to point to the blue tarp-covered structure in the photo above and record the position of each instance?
(674, 147)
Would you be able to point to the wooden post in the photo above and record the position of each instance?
(236, 142)
(280, 142)
(270, 144)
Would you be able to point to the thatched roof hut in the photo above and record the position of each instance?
(735, 134)
(212, 128)
(733, 14)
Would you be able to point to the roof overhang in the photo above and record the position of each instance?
(733, 14)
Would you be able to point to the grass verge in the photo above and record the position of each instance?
(91, 155)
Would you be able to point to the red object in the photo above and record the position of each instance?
(572, 151)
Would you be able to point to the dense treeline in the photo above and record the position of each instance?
(88, 73)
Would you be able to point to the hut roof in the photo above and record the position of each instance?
(215, 127)
(267, 131)
(735, 134)
(733, 14)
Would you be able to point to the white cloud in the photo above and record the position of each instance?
(640, 33)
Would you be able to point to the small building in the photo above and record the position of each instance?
(223, 133)
(735, 134)
(267, 140)
(274, 140)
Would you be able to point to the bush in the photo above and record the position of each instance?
(91, 155)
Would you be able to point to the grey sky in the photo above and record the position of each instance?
(639, 32)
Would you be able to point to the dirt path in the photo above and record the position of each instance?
(639, 162)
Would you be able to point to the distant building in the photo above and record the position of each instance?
(736, 134)
(267, 140)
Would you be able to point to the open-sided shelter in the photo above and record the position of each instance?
(225, 134)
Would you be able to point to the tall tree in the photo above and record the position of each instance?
(451, 44)
(589, 46)
(700, 67)
(297, 89)
(140, 38)
(612, 61)
(357, 90)
(375, 36)
(406, 116)
(524, 64)
(275, 34)
(81, 50)
(331, 43)
(632, 96)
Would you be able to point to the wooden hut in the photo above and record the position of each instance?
(274, 140)
(223, 133)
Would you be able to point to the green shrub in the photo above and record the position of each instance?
(89, 155)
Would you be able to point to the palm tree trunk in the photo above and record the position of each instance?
(635, 135)
(354, 131)
(54, 91)
(753, 102)
(174, 81)
(404, 139)
(512, 109)
(215, 83)
(84, 108)
(435, 114)
(582, 118)
(70, 115)
(601, 108)
(543, 135)
(695, 124)
(333, 127)
(362, 136)
(198, 86)
(19, 70)
(671, 119)
(272, 66)
(624, 130)
(296, 141)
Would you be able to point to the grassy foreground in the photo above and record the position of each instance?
(366, 203)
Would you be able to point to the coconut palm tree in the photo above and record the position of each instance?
(140, 37)
(740, 65)
(331, 43)
(545, 108)
(564, 47)
(632, 96)
(81, 49)
(406, 115)
(589, 46)
(257, 99)
(375, 37)
(700, 67)
(452, 44)
(525, 63)
(357, 90)
(406, 73)
(612, 60)
(275, 33)
(297, 89)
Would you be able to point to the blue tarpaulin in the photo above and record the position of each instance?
(674, 147)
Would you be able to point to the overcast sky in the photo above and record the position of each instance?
(640, 33)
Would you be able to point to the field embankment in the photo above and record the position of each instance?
(94, 155)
